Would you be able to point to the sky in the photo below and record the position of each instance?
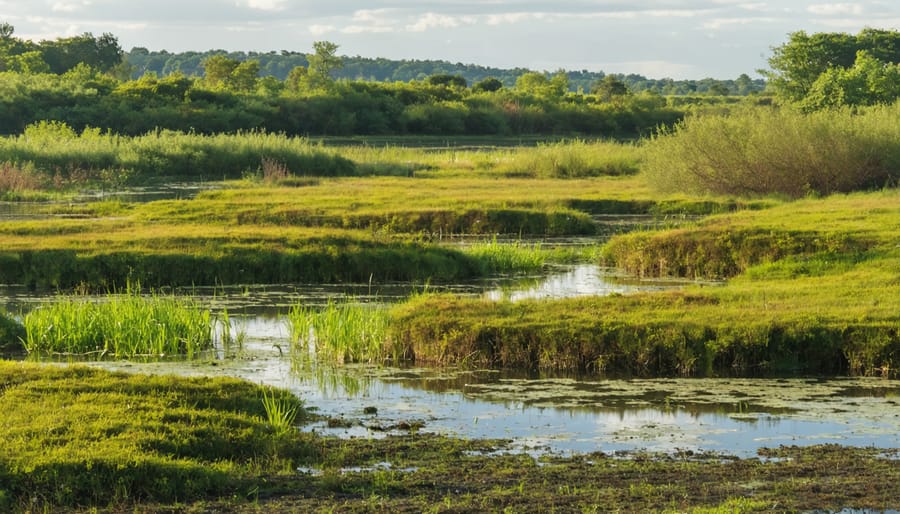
(680, 39)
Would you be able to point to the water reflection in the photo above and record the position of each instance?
(538, 411)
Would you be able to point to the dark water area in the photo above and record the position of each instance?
(22, 211)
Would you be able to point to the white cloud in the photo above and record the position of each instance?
(759, 6)
(513, 17)
(267, 5)
(319, 30)
(433, 20)
(70, 6)
(724, 23)
(835, 9)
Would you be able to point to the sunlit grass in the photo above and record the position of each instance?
(342, 332)
(121, 325)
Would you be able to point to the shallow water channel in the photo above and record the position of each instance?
(539, 413)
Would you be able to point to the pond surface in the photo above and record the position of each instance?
(539, 413)
(546, 413)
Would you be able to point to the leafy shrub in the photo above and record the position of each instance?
(777, 151)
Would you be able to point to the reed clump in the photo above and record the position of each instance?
(53, 149)
(121, 326)
(342, 332)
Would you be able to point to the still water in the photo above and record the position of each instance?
(539, 413)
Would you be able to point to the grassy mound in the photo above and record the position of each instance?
(78, 437)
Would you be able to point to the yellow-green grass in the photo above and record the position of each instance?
(121, 326)
(80, 437)
(341, 332)
(335, 230)
(828, 305)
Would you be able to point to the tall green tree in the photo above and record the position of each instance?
(797, 64)
(217, 69)
(610, 88)
(323, 61)
(869, 81)
(63, 54)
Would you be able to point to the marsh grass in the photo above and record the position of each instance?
(55, 150)
(508, 257)
(812, 287)
(281, 410)
(73, 438)
(342, 332)
(121, 325)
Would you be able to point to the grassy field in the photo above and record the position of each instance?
(813, 286)
(84, 440)
(332, 230)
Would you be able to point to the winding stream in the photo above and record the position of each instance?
(539, 413)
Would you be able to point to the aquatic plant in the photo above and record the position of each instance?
(11, 332)
(342, 331)
(507, 257)
(281, 410)
(119, 325)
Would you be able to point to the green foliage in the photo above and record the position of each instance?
(282, 409)
(54, 148)
(777, 151)
(126, 325)
(342, 332)
(868, 82)
(610, 88)
(323, 62)
(813, 287)
(503, 258)
(798, 64)
(75, 437)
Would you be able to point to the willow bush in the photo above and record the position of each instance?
(766, 151)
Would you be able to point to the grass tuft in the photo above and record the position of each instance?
(122, 325)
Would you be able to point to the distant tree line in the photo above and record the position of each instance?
(280, 64)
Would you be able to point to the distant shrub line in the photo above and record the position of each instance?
(53, 151)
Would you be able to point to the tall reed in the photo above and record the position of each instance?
(507, 257)
(342, 332)
(123, 325)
